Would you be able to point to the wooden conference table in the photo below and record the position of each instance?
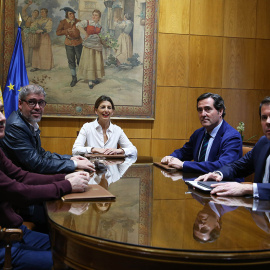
(151, 225)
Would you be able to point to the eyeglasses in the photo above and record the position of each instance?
(32, 103)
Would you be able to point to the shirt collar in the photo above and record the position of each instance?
(94, 24)
(98, 126)
(214, 132)
(70, 21)
(34, 128)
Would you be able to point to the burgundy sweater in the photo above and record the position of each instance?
(18, 187)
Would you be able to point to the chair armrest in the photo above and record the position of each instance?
(9, 235)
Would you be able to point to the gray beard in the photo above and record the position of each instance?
(33, 120)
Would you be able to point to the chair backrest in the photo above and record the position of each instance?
(8, 236)
(249, 178)
(246, 149)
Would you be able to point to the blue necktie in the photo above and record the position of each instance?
(204, 147)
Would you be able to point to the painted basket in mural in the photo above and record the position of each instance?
(34, 40)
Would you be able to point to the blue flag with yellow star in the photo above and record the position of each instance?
(17, 77)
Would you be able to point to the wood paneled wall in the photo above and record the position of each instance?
(222, 46)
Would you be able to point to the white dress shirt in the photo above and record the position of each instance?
(265, 178)
(91, 135)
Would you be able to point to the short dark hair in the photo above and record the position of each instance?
(266, 100)
(101, 99)
(218, 101)
(46, 10)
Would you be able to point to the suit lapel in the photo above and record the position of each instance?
(198, 144)
(216, 143)
(260, 163)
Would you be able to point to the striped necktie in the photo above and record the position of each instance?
(204, 147)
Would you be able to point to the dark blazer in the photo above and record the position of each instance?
(253, 162)
(226, 148)
(23, 147)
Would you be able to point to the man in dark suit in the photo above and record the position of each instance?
(256, 161)
(213, 145)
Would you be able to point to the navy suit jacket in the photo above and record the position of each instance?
(253, 162)
(226, 148)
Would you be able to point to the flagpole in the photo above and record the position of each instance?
(17, 75)
(19, 20)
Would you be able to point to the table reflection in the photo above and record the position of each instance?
(158, 210)
(113, 171)
(208, 223)
(259, 209)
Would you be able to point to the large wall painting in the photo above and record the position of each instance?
(126, 48)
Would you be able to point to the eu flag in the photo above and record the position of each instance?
(17, 77)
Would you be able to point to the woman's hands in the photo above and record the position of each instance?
(107, 151)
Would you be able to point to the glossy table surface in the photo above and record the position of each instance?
(156, 217)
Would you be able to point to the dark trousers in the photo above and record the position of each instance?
(33, 253)
(73, 54)
(36, 214)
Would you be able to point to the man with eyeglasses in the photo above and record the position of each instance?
(22, 145)
(22, 141)
(19, 187)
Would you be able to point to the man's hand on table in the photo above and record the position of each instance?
(226, 189)
(78, 180)
(83, 163)
(78, 158)
(232, 189)
(172, 162)
(210, 176)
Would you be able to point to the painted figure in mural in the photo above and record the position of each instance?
(124, 51)
(28, 50)
(42, 54)
(118, 19)
(73, 41)
(91, 66)
(113, 9)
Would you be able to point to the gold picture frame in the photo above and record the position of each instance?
(131, 85)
